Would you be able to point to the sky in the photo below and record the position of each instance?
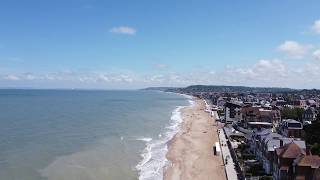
(139, 43)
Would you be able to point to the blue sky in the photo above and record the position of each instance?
(137, 43)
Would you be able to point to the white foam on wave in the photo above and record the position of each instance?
(144, 139)
(190, 99)
(192, 103)
(154, 155)
(186, 96)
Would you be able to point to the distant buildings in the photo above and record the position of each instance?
(270, 128)
(278, 144)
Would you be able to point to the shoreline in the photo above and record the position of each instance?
(190, 153)
(154, 161)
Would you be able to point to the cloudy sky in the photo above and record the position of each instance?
(139, 43)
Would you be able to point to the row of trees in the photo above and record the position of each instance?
(313, 136)
(311, 131)
(292, 113)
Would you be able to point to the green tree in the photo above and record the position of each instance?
(313, 137)
(292, 113)
(315, 149)
(299, 112)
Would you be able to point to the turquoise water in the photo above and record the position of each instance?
(89, 135)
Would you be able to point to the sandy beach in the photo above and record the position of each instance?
(190, 151)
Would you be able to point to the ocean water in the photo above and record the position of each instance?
(86, 135)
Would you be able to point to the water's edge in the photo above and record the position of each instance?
(154, 159)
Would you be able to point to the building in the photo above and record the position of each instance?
(291, 128)
(300, 103)
(306, 167)
(311, 103)
(309, 115)
(263, 115)
(263, 144)
(221, 102)
(279, 103)
(284, 157)
(232, 111)
(276, 117)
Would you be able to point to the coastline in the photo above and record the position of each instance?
(190, 153)
(154, 160)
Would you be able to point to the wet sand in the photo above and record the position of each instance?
(190, 151)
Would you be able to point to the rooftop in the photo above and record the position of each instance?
(312, 161)
(291, 150)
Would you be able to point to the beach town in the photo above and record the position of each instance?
(235, 134)
(159, 90)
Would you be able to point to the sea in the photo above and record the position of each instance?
(86, 134)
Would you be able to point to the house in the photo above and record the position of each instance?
(300, 103)
(309, 115)
(279, 103)
(291, 128)
(249, 114)
(255, 145)
(305, 167)
(221, 102)
(264, 144)
(260, 115)
(317, 100)
(268, 145)
(284, 157)
(276, 117)
(311, 103)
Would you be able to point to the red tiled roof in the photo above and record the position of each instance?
(291, 150)
(312, 161)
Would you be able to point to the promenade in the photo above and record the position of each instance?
(226, 155)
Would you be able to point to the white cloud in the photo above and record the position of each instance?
(265, 72)
(294, 49)
(73, 76)
(316, 54)
(123, 30)
(161, 66)
(11, 77)
(29, 76)
(316, 26)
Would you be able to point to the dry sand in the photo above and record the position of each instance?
(190, 151)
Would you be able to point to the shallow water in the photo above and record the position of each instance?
(89, 135)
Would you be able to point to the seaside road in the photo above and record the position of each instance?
(228, 161)
(190, 151)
